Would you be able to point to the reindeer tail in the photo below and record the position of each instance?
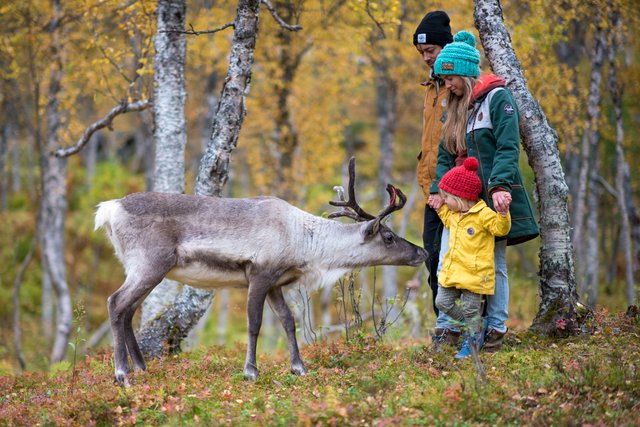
(105, 213)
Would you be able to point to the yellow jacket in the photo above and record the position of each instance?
(435, 104)
(469, 262)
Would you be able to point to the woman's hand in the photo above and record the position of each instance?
(501, 201)
(435, 201)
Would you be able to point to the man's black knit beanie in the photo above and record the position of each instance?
(434, 29)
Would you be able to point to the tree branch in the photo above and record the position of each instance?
(194, 32)
(608, 187)
(102, 123)
(382, 35)
(278, 19)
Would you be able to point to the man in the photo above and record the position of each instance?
(432, 34)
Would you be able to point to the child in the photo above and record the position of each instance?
(468, 267)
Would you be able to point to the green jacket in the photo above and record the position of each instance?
(493, 138)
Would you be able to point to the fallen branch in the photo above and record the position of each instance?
(102, 123)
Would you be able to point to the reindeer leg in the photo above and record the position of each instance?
(116, 317)
(122, 305)
(279, 305)
(255, 305)
(132, 343)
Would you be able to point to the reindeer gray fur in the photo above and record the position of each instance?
(260, 243)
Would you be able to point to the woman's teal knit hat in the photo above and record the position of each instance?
(460, 58)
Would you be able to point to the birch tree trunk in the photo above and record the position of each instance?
(634, 217)
(557, 312)
(4, 150)
(589, 140)
(591, 257)
(54, 201)
(570, 54)
(170, 136)
(191, 303)
(214, 167)
(621, 166)
(386, 103)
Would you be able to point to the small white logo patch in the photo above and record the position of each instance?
(422, 38)
(444, 103)
(508, 109)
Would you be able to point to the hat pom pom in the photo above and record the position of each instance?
(465, 37)
(471, 164)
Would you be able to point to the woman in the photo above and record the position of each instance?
(482, 122)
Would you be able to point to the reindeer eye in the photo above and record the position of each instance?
(387, 238)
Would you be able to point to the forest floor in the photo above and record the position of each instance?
(588, 380)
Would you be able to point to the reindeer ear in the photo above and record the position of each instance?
(372, 228)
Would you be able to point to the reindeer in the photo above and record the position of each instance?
(261, 244)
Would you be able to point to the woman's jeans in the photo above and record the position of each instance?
(498, 303)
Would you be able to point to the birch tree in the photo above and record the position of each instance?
(53, 203)
(588, 154)
(170, 137)
(621, 166)
(557, 314)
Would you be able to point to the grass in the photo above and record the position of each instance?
(591, 379)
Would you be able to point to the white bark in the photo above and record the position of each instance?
(591, 279)
(214, 167)
(46, 301)
(170, 131)
(170, 135)
(557, 280)
(589, 141)
(54, 202)
(622, 167)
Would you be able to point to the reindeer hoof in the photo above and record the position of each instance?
(251, 373)
(299, 369)
(121, 379)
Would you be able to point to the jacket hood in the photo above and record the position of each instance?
(485, 85)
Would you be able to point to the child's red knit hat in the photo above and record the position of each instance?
(463, 181)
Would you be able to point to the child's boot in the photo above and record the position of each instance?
(468, 341)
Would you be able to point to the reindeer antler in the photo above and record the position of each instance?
(393, 205)
(351, 208)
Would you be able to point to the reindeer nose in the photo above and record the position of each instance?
(421, 256)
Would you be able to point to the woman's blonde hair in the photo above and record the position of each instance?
(455, 126)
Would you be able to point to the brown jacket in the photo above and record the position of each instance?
(435, 104)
